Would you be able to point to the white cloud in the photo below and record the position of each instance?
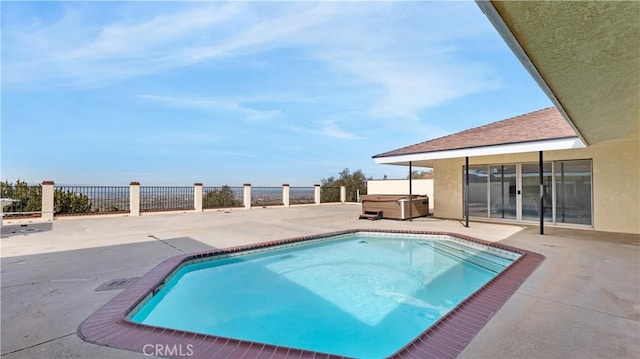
(72, 51)
(278, 30)
(130, 40)
(409, 88)
(410, 66)
(403, 61)
(327, 128)
(183, 138)
(228, 104)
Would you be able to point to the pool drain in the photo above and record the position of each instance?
(116, 284)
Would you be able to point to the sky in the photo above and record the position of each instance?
(172, 93)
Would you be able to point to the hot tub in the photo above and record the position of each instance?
(394, 206)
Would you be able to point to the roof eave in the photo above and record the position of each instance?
(521, 147)
(496, 20)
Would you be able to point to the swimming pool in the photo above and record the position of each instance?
(365, 294)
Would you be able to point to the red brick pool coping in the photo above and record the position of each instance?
(446, 338)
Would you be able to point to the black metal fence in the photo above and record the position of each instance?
(329, 194)
(166, 198)
(266, 196)
(222, 197)
(301, 195)
(353, 193)
(86, 200)
(76, 200)
(27, 200)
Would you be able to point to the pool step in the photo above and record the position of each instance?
(486, 255)
(474, 256)
(371, 215)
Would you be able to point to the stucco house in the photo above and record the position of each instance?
(586, 57)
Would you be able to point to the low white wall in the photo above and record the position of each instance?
(418, 186)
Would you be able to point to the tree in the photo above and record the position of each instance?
(352, 181)
(415, 174)
(29, 198)
(69, 202)
(223, 197)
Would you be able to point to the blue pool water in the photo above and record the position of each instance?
(362, 295)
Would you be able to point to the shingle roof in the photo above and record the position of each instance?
(545, 124)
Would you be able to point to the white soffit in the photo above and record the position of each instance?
(535, 146)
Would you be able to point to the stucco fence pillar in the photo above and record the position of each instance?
(285, 195)
(197, 197)
(134, 198)
(247, 195)
(47, 200)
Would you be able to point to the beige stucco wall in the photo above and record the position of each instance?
(616, 179)
(587, 52)
(447, 188)
(616, 182)
(401, 186)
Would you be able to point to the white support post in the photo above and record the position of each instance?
(134, 198)
(316, 193)
(285, 194)
(343, 194)
(47, 200)
(197, 197)
(247, 195)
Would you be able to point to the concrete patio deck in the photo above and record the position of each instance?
(582, 302)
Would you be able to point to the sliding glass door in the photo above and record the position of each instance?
(512, 191)
(478, 191)
(503, 192)
(531, 192)
(573, 192)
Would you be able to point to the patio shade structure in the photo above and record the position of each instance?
(583, 55)
(538, 131)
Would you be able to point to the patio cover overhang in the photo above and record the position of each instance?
(539, 131)
(543, 130)
(585, 55)
(425, 159)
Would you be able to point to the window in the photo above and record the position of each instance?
(573, 192)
